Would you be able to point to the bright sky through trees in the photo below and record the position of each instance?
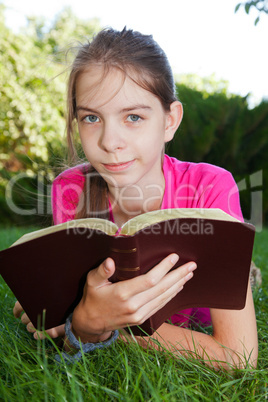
(202, 37)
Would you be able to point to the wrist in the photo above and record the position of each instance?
(72, 343)
(85, 328)
(85, 337)
(94, 339)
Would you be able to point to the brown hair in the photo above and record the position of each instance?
(130, 52)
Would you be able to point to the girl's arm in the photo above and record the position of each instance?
(234, 341)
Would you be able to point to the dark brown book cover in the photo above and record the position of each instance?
(48, 273)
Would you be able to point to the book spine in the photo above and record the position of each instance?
(124, 251)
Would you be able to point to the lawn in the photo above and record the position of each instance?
(123, 372)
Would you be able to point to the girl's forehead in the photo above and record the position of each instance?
(95, 81)
(96, 86)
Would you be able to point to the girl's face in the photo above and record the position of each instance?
(123, 128)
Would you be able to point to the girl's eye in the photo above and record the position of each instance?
(91, 118)
(133, 118)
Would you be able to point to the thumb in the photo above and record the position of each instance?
(102, 273)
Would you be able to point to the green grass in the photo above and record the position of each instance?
(123, 372)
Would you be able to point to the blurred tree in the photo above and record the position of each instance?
(33, 88)
(206, 85)
(220, 128)
(32, 94)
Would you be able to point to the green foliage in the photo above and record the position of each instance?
(33, 88)
(207, 85)
(220, 129)
(32, 100)
(31, 106)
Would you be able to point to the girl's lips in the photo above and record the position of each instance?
(117, 167)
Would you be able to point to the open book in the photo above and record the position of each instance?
(46, 269)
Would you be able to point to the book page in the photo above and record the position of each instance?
(149, 218)
(103, 225)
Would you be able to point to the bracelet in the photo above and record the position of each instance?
(84, 347)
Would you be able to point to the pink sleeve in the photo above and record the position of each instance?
(200, 185)
(223, 193)
(66, 191)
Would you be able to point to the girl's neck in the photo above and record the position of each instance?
(131, 201)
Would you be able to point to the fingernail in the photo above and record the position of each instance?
(174, 259)
(189, 276)
(192, 267)
(106, 269)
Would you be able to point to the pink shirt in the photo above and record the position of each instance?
(188, 185)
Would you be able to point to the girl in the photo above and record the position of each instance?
(121, 96)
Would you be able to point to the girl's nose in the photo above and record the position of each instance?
(111, 138)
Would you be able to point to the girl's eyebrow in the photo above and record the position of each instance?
(86, 109)
(127, 109)
(135, 107)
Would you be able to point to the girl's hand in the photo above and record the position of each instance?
(53, 332)
(106, 306)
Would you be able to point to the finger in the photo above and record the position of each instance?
(30, 327)
(146, 311)
(52, 332)
(145, 304)
(17, 310)
(56, 332)
(25, 319)
(39, 335)
(178, 277)
(159, 302)
(156, 275)
(144, 282)
(99, 276)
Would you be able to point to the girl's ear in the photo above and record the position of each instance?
(173, 120)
